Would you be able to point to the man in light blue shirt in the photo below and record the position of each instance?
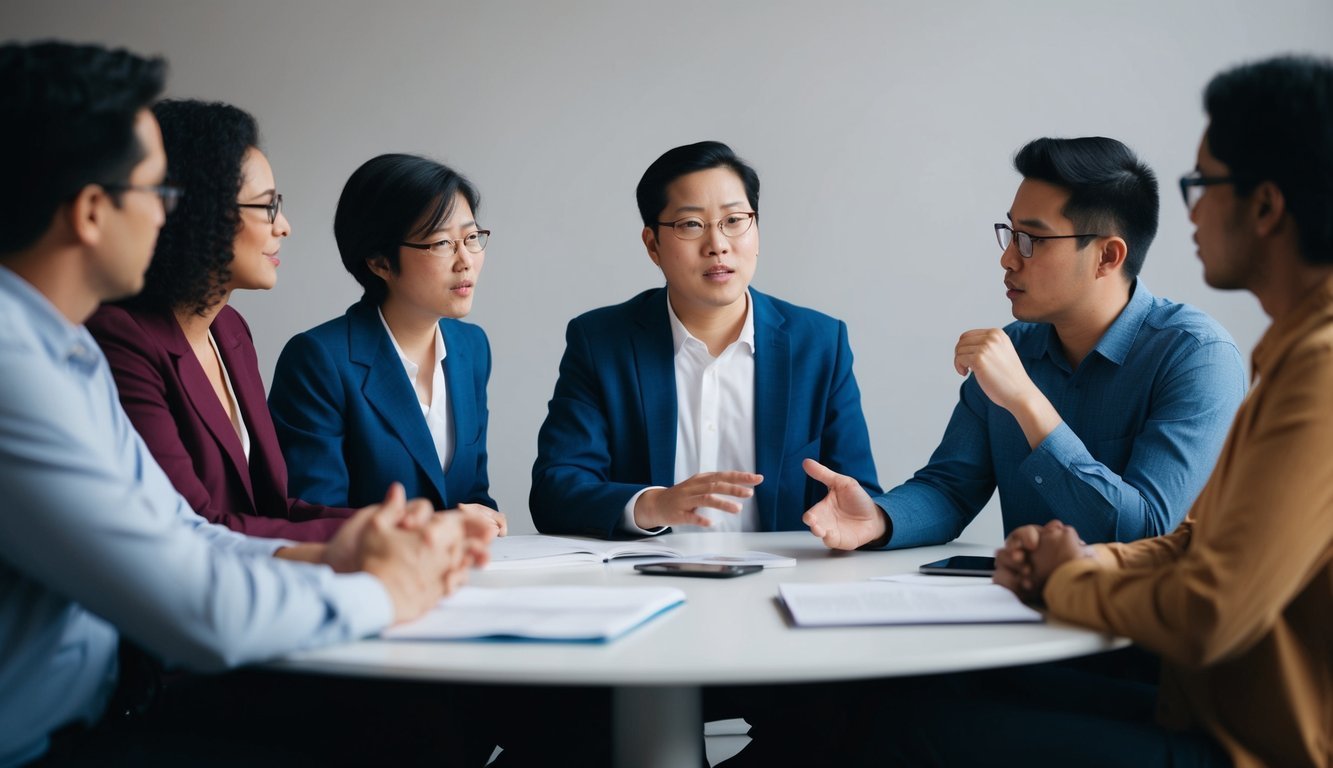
(1103, 406)
(95, 543)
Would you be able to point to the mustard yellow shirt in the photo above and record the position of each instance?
(1238, 600)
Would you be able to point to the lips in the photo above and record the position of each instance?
(273, 257)
(464, 288)
(718, 271)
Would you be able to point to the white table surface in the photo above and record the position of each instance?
(729, 631)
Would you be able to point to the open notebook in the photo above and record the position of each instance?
(572, 614)
(536, 551)
(857, 603)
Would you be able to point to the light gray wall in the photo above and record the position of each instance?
(883, 133)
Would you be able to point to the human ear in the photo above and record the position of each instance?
(1112, 256)
(650, 242)
(1270, 206)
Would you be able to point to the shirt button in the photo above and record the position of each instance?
(1038, 479)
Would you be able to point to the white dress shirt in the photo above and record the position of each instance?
(436, 412)
(714, 419)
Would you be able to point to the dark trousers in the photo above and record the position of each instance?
(1094, 712)
(261, 718)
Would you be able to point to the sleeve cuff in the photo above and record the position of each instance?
(627, 518)
(362, 599)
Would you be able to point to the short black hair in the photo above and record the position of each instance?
(381, 205)
(674, 163)
(1272, 120)
(206, 144)
(67, 115)
(1110, 191)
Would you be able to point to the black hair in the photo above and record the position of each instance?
(67, 115)
(381, 205)
(674, 163)
(1272, 121)
(206, 144)
(1110, 191)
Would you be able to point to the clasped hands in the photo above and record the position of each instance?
(1032, 553)
(418, 554)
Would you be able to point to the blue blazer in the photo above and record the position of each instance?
(610, 428)
(350, 423)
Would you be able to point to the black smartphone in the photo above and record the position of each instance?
(701, 570)
(961, 565)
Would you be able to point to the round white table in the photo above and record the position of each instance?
(729, 631)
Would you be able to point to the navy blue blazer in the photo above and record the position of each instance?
(350, 422)
(610, 428)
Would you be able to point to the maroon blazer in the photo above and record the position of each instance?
(169, 399)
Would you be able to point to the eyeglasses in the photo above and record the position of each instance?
(1193, 184)
(473, 242)
(693, 227)
(168, 194)
(274, 207)
(1004, 234)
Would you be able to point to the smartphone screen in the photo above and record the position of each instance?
(702, 570)
(961, 565)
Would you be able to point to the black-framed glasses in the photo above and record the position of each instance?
(472, 242)
(692, 227)
(272, 207)
(168, 194)
(1005, 234)
(1194, 183)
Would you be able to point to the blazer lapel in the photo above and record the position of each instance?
(203, 398)
(772, 392)
(462, 395)
(655, 364)
(251, 400)
(390, 394)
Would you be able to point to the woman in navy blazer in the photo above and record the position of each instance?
(395, 389)
(184, 361)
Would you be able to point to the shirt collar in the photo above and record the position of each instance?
(411, 366)
(680, 334)
(1315, 309)
(1116, 343)
(64, 341)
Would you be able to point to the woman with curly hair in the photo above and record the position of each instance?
(395, 389)
(184, 361)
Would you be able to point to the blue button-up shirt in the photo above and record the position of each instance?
(1144, 416)
(95, 541)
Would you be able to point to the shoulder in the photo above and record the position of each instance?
(112, 320)
(793, 317)
(1184, 322)
(330, 334)
(647, 306)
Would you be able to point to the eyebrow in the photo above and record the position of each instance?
(1033, 223)
(700, 208)
(267, 192)
(463, 225)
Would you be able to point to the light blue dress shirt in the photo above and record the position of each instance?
(94, 541)
(1144, 417)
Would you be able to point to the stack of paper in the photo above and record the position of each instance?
(517, 552)
(878, 602)
(586, 614)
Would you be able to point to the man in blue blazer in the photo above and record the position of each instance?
(691, 407)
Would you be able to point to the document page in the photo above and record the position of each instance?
(878, 602)
(589, 614)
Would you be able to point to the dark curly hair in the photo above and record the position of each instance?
(67, 116)
(206, 143)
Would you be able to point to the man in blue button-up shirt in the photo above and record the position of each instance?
(94, 540)
(1103, 406)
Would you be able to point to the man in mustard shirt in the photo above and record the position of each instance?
(1238, 600)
